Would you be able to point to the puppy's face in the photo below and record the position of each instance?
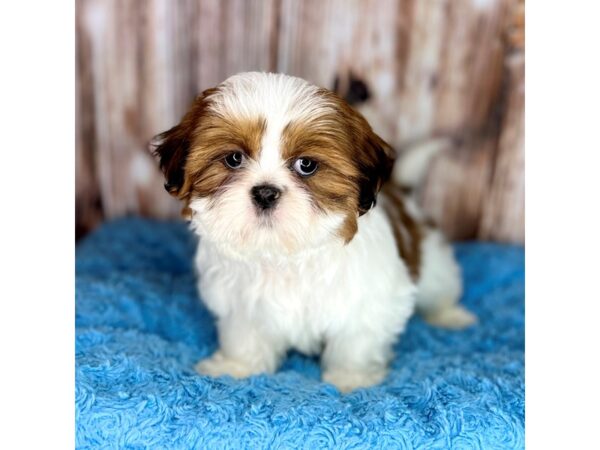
(269, 163)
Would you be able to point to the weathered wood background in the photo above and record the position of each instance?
(433, 68)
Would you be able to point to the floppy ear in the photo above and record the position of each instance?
(173, 146)
(376, 166)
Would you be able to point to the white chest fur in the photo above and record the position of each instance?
(302, 301)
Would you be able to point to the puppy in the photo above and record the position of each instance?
(300, 247)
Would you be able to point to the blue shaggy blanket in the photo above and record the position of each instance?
(141, 328)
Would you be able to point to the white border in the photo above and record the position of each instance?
(562, 223)
(37, 224)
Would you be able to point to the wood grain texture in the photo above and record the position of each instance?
(88, 203)
(503, 214)
(432, 67)
(457, 184)
(132, 98)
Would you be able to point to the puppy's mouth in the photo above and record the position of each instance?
(265, 217)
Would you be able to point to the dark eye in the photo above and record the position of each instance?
(234, 160)
(305, 167)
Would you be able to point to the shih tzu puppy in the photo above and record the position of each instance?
(303, 245)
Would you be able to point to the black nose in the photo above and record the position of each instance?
(265, 196)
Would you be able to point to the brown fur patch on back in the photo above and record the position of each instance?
(408, 233)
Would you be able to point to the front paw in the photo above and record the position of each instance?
(347, 380)
(218, 365)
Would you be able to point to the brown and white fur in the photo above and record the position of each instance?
(322, 263)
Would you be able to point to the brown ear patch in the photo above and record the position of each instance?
(376, 167)
(354, 162)
(174, 145)
(192, 152)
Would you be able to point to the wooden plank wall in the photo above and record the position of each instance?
(434, 68)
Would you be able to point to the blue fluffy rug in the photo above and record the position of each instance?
(141, 328)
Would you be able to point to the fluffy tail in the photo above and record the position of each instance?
(440, 281)
(452, 317)
(412, 163)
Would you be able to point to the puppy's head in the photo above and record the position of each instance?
(270, 163)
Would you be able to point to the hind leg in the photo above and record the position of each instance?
(440, 286)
